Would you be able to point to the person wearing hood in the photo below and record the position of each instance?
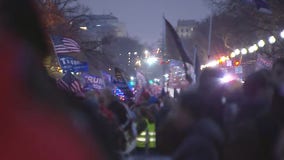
(204, 137)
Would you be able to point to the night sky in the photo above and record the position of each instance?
(144, 18)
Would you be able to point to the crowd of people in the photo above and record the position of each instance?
(209, 120)
(232, 121)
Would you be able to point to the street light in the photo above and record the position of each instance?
(261, 43)
(244, 51)
(282, 34)
(146, 52)
(255, 47)
(233, 54)
(237, 52)
(151, 60)
(271, 39)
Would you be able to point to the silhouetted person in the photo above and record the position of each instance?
(38, 121)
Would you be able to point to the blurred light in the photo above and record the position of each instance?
(166, 75)
(255, 47)
(132, 83)
(251, 49)
(244, 51)
(151, 60)
(151, 81)
(138, 63)
(229, 63)
(135, 53)
(261, 43)
(146, 52)
(236, 63)
(98, 25)
(84, 28)
(158, 50)
(212, 63)
(237, 52)
(129, 53)
(233, 54)
(272, 39)
(282, 34)
(156, 80)
(109, 69)
(131, 78)
(227, 78)
(223, 59)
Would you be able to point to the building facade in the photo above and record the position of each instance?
(96, 27)
(185, 28)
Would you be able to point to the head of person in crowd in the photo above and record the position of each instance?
(278, 76)
(278, 70)
(278, 99)
(209, 79)
(190, 109)
(107, 96)
(211, 89)
(259, 87)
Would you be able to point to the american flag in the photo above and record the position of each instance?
(71, 84)
(64, 45)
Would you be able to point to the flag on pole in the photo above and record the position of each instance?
(174, 45)
(175, 48)
(71, 84)
(64, 45)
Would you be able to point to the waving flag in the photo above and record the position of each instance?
(175, 48)
(64, 45)
(70, 84)
(69, 63)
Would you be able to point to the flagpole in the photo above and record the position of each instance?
(163, 51)
(195, 63)
(209, 37)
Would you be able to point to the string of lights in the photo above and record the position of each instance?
(244, 51)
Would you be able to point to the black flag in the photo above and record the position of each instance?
(175, 48)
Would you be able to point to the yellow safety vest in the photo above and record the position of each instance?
(147, 137)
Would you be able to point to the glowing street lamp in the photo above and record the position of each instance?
(261, 43)
(237, 52)
(251, 49)
(233, 54)
(255, 47)
(282, 34)
(271, 39)
(244, 51)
